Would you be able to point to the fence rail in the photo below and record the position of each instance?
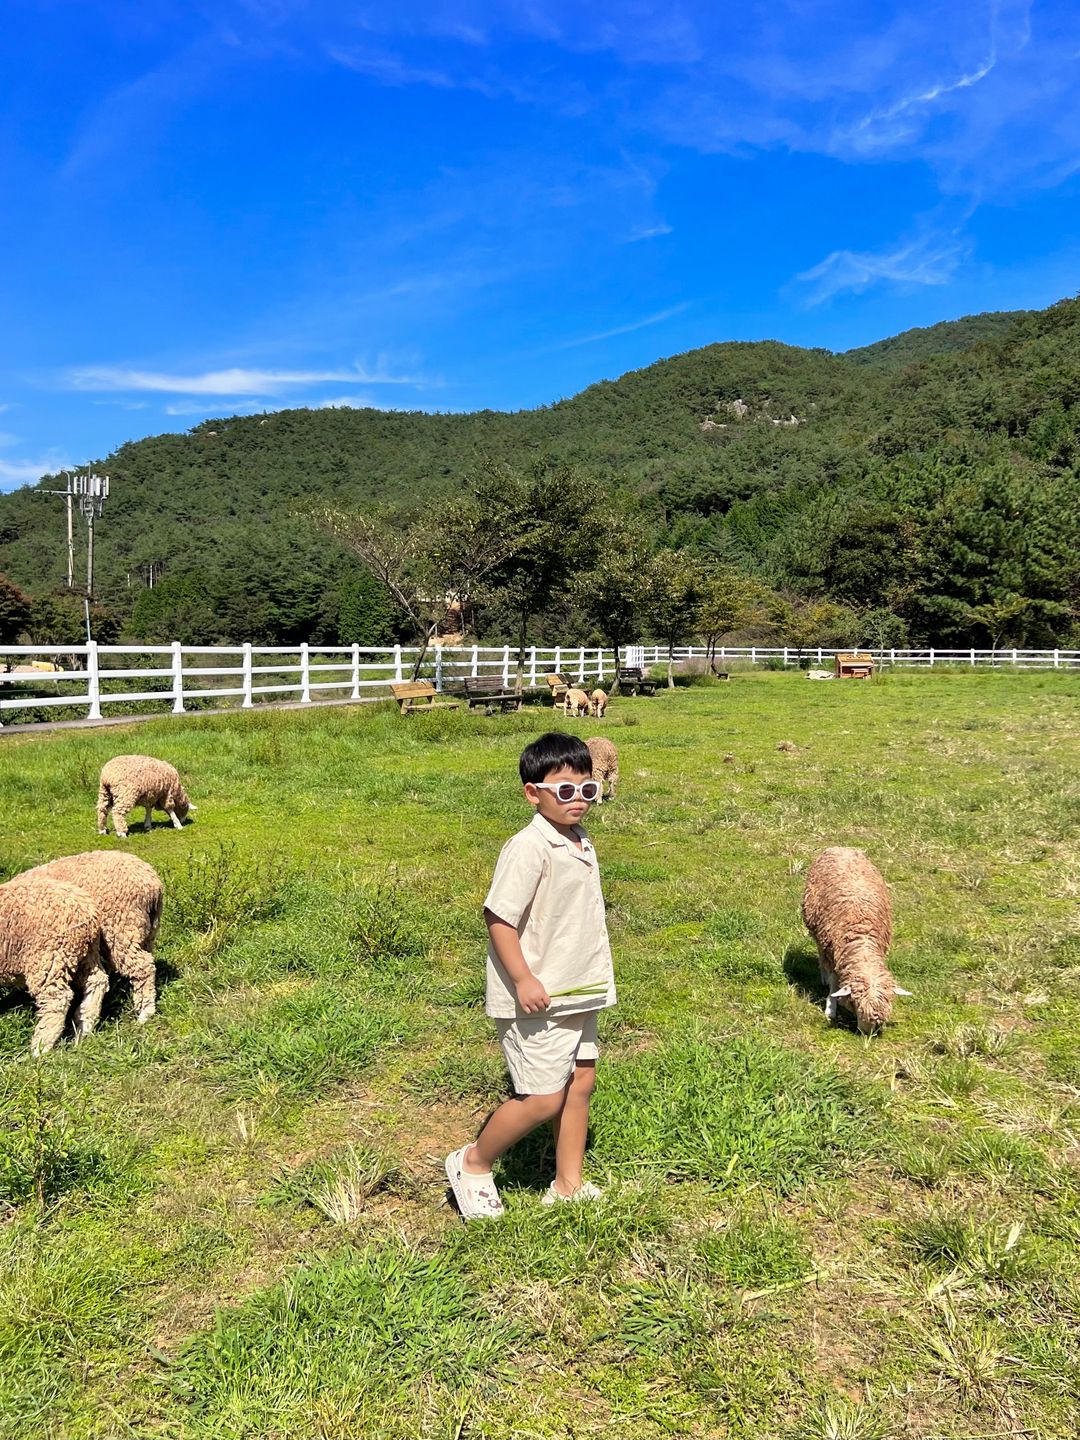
(178, 676)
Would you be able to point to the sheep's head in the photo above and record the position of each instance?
(183, 805)
(871, 997)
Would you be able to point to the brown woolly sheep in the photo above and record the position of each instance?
(128, 895)
(605, 765)
(848, 912)
(49, 943)
(130, 780)
(598, 703)
(575, 702)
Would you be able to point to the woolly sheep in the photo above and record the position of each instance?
(598, 703)
(128, 895)
(576, 702)
(605, 765)
(130, 780)
(49, 943)
(848, 912)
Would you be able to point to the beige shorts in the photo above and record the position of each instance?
(541, 1050)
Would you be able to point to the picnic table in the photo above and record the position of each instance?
(418, 695)
(558, 684)
(632, 679)
(491, 692)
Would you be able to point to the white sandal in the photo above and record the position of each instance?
(585, 1191)
(476, 1195)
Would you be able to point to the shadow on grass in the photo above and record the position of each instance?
(801, 969)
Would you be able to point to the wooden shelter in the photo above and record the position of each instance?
(854, 665)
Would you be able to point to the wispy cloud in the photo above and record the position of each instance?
(233, 382)
(14, 473)
(918, 262)
(657, 319)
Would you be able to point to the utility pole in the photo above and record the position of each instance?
(92, 490)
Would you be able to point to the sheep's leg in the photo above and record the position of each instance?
(120, 814)
(177, 824)
(53, 1004)
(103, 805)
(140, 970)
(148, 818)
(94, 983)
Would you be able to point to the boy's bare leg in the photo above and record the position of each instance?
(572, 1128)
(511, 1122)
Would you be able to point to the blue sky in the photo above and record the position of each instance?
(238, 205)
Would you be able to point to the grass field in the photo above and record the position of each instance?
(232, 1222)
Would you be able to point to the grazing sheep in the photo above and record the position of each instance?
(128, 895)
(598, 703)
(847, 910)
(605, 765)
(130, 780)
(575, 702)
(49, 943)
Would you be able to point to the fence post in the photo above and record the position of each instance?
(305, 674)
(245, 704)
(753, 654)
(892, 656)
(532, 665)
(93, 681)
(931, 655)
(785, 657)
(438, 667)
(178, 678)
(600, 663)
(581, 667)
(397, 663)
(973, 655)
(1014, 657)
(820, 659)
(506, 666)
(558, 659)
(1057, 660)
(475, 661)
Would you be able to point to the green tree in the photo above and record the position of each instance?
(673, 595)
(14, 611)
(729, 600)
(614, 593)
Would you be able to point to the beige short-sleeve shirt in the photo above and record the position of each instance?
(549, 890)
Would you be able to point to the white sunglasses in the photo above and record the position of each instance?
(566, 790)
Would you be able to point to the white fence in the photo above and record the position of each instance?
(178, 676)
(96, 676)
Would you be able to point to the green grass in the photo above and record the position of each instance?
(232, 1222)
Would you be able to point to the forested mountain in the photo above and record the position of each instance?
(935, 475)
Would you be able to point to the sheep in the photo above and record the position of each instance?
(128, 894)
(50, 943)
(598, 703)
(819, 674)
(575, 702)
(848, 912)
(605, 765)
(129, 780)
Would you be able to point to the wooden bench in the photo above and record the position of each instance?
(418, 695)
(632, 680)
(558, 685)
(489, 691)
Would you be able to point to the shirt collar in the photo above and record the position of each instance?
(555, 837)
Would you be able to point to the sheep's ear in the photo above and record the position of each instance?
(845, 990)
(901, 991)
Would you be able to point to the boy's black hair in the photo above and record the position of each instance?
(551, 752)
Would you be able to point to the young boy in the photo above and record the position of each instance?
(546, 935)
